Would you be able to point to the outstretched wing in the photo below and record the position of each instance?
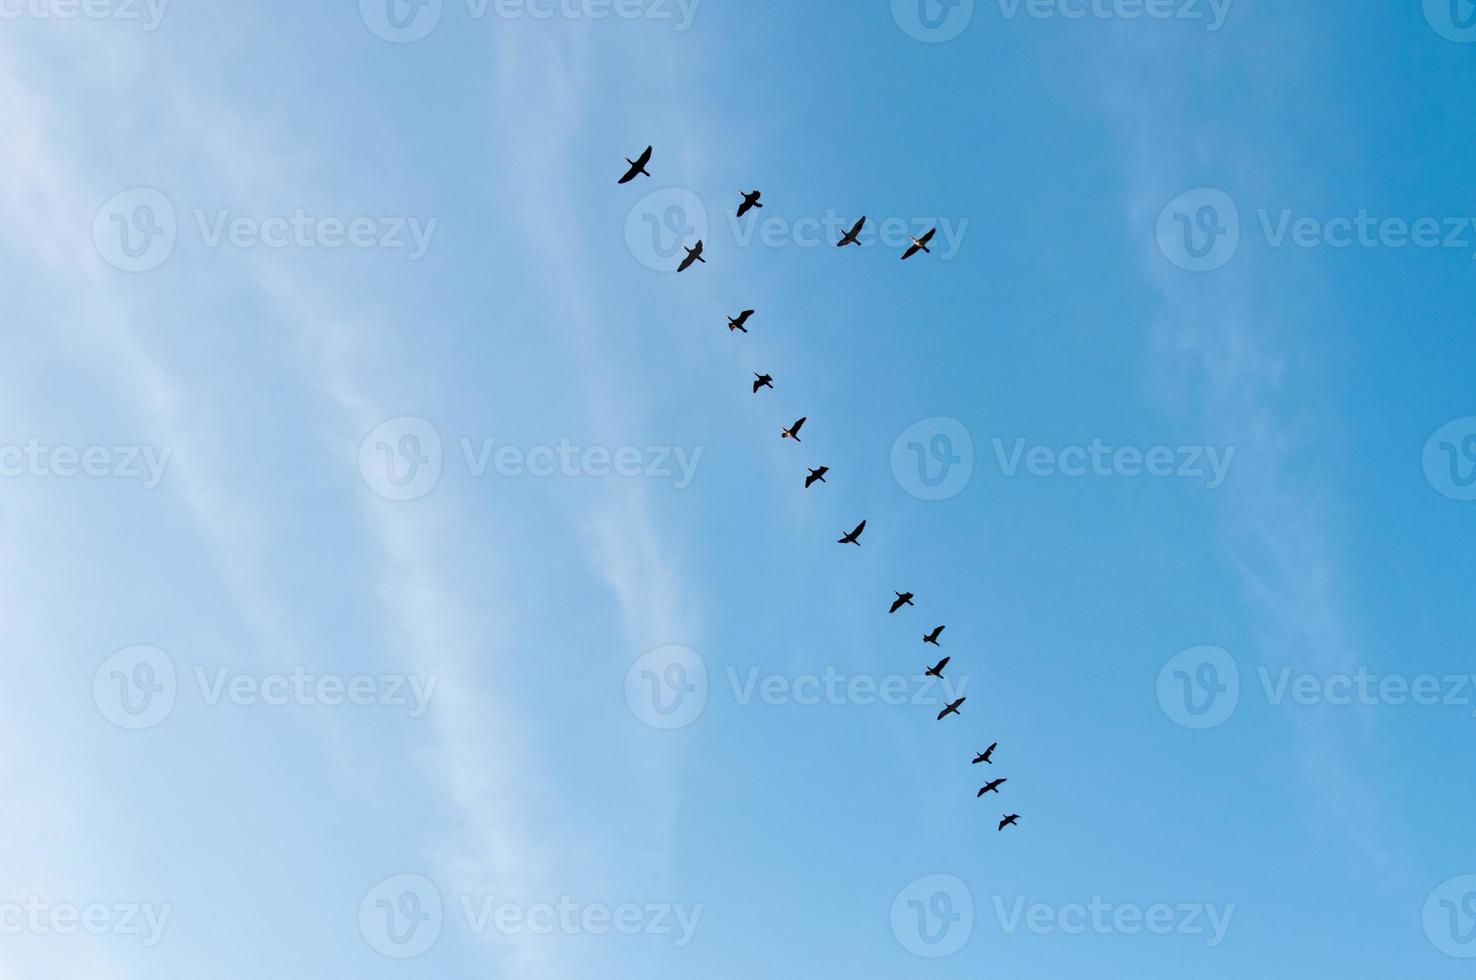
(913, 250)
(859, 528)
(941, 664)
(929, 236)
(644, 159)
(794, 430)
(856, 229)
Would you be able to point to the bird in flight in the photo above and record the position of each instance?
(850, 236)
(1009, 820)
(854, 536)
(985, 755)
(693, 255)
(761, 381)
(937, 669)
(990, 787)
(637, 166)
(737, 323)
(933, 636)
(952, 709)
(816, 476)
(750, 201)
(903, 599)
(794, 430)
(920, 245)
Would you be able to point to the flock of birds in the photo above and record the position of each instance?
(739, 323)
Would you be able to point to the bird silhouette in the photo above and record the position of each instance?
(693, 255)
(637, 166)
(816, 476)
(854, 536)
(990, 787)
(933, 636)
(750, 201)
(850, 237)
(985, 755)
(920, 245)
(937, 669)
(952, 709)
(794, 430)
(903, 599)
(1009, 821)
(737, 323)
(761, 381)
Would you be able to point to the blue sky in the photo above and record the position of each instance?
(364, 467)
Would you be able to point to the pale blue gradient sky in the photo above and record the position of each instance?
(1055, 145)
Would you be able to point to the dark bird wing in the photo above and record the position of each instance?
(644, 158)
(687, 262)
(941, 664)
(913, 250)
(859, 528)
(794, 430)
(929, 236)
(856, 228)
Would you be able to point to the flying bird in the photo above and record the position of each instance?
(854, 536)
(762, 381)
(937, 669)
(693, 255)
(985, 755)
(737, 323)
(903, 599)
(990, 787)
(933, 636)
(793, 431)
(637, 166)
(952, 709)
(1009, 821)
(850, 236)
(750, 201)
(816, 476)
(920, 245)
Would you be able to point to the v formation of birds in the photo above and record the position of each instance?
(739, 323)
